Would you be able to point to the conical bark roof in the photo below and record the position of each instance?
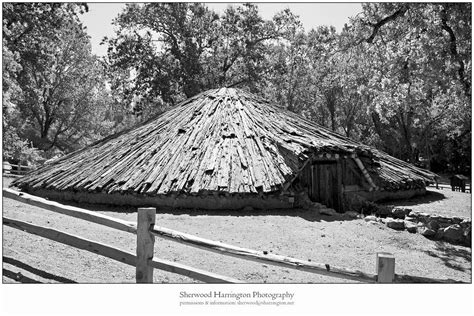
(222, 140)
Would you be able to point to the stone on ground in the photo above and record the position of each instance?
(396, 224)
(410, 226)
(427, 232)
(327, 211)
(433, 225)
(453, 233)
(352, 214)
(370, 218)
(439, 234)
(383, 210)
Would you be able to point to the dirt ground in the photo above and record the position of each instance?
(442, 201)
(344, 242)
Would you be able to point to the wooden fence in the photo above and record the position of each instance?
(147, 231)
(15, 170)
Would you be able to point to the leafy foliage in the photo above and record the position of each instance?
(163, 53)
(420, 73)
(52, 79)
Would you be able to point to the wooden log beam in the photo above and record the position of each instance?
(365, 173)
(72, 211)
(194, 273)
(297, 174)
(404, 278)
(72, 240)
(262, 256)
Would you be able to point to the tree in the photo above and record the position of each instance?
(57, 79)
(163, 53)
(287, 78)
(155, 57)
(420, 74)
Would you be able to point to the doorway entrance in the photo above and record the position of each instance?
(325, 184)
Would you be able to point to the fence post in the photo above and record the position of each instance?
(385, 267)
(145, 243)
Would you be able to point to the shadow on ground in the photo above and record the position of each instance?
(308, 215)
(429, 197)
(18, 277)
(450, 255)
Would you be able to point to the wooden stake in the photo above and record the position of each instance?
(385, 267)
(145, 244)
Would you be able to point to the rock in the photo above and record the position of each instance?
(453, 233)
(439, 234)
(352, 214)
(465, 223)
(384, 210)
(433, 225)
(327, 211)
(314, 208)
(467, 236)
(316, 204)
(457, 220)
(443, 225)
(425, 231)
(411, 219)
(398, 213)
(370, 218)
(302, 200)
(396, 224)
(410, 226)
(423, 215)
(442, 219)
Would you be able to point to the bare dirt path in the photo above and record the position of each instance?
(351, 244)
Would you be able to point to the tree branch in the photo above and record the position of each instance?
(376, 26)
(454, 52)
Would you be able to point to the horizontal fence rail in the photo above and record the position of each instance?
(72, 240)
(19, 166)
(404, 278)
(262, 256)
(16, 170)
(72, 211)
(193, 273)
(114, 253)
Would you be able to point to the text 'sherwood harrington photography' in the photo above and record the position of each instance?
(236, 143)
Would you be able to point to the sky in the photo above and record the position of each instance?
(99, 18)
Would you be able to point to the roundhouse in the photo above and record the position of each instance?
(226, 149)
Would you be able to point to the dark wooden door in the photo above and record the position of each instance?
(325, 184)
